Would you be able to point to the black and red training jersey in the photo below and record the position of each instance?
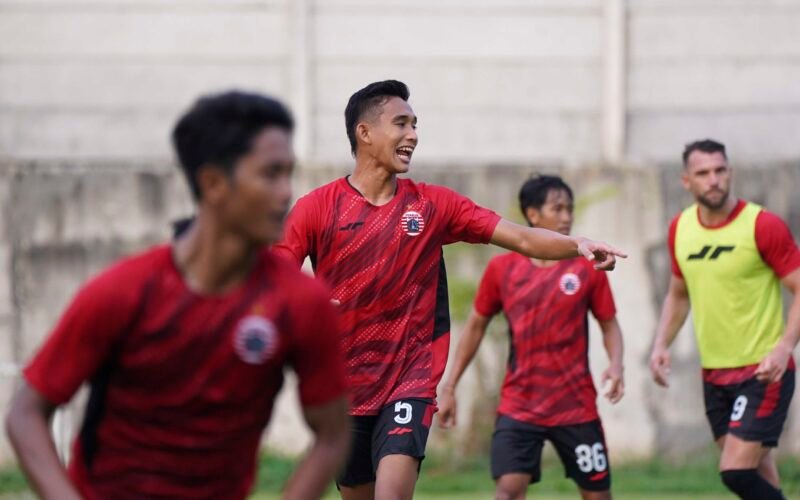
(385, 267)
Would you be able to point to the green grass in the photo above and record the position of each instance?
(445, 478)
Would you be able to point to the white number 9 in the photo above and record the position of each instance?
(738, 408)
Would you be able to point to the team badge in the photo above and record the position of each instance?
(412, 223)
(256, 339)
(569, 284)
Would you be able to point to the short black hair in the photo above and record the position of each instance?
(706, 146)
(219, 128)
(366, 99)
(534, 192)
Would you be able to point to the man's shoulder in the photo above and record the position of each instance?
(122, 281)
(324, 192)
(433, 191)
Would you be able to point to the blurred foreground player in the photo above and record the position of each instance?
(729, 258)
(548, 392)
(377, 241)
(185, 344)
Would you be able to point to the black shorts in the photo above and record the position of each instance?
(517, 448)
(750, 410)
(401, 428)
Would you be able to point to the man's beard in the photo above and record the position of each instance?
(712, 205)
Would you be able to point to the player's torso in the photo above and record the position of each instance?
(377, 255)
(205, 367)
(548, 380)
(385, 268)
(186, 391)
(735, 295)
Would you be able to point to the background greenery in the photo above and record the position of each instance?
(446, 477)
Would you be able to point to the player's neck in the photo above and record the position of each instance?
(213, 261)
(714, 217)
(376, 184)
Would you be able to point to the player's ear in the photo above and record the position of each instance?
(213, 182)
(363, 133)
(685, 178)
(533, 215)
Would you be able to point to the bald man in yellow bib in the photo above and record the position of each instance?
(729, 258)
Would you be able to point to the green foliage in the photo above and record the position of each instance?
(444, 476)
(12, 480)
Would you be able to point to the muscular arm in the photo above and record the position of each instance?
(331, 427)
(612, 341)
(549, 245)
(474, 331)
(28, 428)
(673, 314)
(774, 365)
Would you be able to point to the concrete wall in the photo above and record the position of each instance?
(89, 90)
(63, 222)
(720, 68)
(492, 81)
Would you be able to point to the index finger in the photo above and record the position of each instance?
(608, 263)
(615, 251)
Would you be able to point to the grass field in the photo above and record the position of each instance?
(442, 479)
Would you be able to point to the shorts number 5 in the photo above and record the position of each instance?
(403, 411)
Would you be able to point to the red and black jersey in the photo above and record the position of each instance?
(182, 384)
(547, 382)
(385, 267)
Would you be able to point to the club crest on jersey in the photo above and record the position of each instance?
(412, 223)
(569, 284)
(255, 340)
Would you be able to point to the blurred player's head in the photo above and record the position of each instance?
(236, 152)
(706, 173)
(546, 201)
(381, 125)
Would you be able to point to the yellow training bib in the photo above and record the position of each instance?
(735, 296)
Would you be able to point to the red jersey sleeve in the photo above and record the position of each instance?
(298, 233)
(83, 337)
(488, 301)
(316, 355)
(467, 221)
(601, 300)
(673, 228)
(775, 244)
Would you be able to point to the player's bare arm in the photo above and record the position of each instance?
(543, 244)
(474, 331)
(772, 368)
(612, 379)
(331, 426)
(28, 428)
(673, 314)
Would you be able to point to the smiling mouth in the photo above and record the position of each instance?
(404, 153)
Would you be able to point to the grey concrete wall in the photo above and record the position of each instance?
(90, 88)
(508, 80)
(62, 222)
(722, 68)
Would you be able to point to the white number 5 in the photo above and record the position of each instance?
(403, 411)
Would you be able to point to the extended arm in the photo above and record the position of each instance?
(549, 245)
(612, 341)
(474, 331)
(331, 427)
(28, 428)
(673, 315)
